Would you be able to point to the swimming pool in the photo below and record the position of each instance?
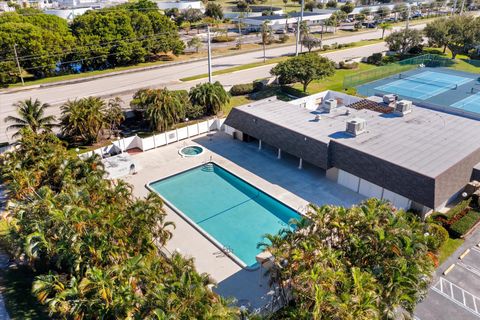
(424, 85)
(232, 213)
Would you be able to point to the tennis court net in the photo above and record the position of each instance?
(440, 84)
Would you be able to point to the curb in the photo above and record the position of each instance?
(140, 69)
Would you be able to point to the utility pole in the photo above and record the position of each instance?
(299, 22)
(209, 56)
(454, 7)
(18, 63)
(408, 17)
(240, 18)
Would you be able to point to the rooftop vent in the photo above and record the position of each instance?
(403, 107)
(329, 105)
(356, 126)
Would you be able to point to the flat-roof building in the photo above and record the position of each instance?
(420, 158)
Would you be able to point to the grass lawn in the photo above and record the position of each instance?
(462, 62)
(275, 60)
(448, 249)
(334, 82)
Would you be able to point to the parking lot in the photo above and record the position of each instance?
(455, 291)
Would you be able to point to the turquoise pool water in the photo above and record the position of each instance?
(228, 209)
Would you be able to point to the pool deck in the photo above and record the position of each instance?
(279, 178)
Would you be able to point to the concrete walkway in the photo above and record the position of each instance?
(279, 178)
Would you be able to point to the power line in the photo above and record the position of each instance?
(69, 62)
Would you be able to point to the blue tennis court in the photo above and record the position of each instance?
(471, 103)
(423, 85)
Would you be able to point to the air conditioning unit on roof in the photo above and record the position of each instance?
(356, 126)
(389, 98)
(329, 105)
(403, 107)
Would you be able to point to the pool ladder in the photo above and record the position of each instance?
(208, 167)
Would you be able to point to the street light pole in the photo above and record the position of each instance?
(299, 22)
(209, 56)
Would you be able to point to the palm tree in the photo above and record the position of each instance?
(83, 119)
(31, 114)
(195, 43)
(114, 114)
(165, 110)
(385, 26)
(211, 96)
(266, 31)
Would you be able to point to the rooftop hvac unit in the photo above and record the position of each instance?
(329, 105)
(356, 126)
(403, 107)
(389, 98)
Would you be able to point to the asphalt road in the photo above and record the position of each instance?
(124, 85)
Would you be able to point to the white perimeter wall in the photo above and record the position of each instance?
(372, 190)
(159, 140)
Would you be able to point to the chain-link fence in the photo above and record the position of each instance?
(427, 60)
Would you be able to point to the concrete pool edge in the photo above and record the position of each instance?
(205, 234)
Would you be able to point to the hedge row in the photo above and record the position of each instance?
(246, 88)
(222, 39)
(464, 224)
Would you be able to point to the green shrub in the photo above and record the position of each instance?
(348, 66)
(258, 85)
(326, 47)
(375, 59)
(458, 208)
(293, 92)
(438, 236)
(241, 89)
(464, 224)
(222, 39)
(194, 111)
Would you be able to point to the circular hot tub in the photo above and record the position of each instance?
(191, 151)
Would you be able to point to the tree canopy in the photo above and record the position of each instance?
(98, 252)
(211, 96)
(105, 38)
(403, 41)
(214, 10)
(459, 33)
(364, 262)
(83, 120)
(31, 114)
(304, 69)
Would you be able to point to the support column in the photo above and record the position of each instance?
(279, 156)
(300, 164)
(259, 144)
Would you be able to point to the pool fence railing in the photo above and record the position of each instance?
(158, 140)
